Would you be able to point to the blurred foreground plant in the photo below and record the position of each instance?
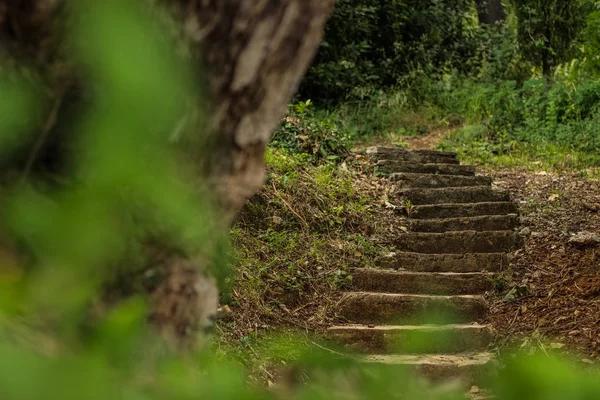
(125, 198)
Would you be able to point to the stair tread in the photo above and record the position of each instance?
(419, 295)
(464, 359)
(458, 242)
(398, 150)
(435, 169)
(480, 223)
(454, 195)
(386, 153)
(423, 327)
(465, 262)
(420, 180)
(463, 210)
(419, 273)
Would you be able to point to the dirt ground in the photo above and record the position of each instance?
(550, 294)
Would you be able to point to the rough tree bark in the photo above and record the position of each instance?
(255, 52)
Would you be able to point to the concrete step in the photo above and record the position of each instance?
(459, 242)
(482, 223)
(386, 167)
(468, 368)
(447, 283)
(401, 309)
(416, 156)
(410, 339)
(451, 195)
(462, 210)
(413, 180)
(459, 263)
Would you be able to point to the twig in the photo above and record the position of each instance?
(44, 135)
(329, 350)
(290, 207)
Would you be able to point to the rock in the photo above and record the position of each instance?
(475, 390)
(591, 206)
(224, 313)
(585, 239)
(525, 231)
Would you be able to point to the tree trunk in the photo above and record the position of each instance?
(255, 53)
(490, 12)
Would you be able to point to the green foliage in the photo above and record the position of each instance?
(318, 137)
(371, 44)
(547, 29)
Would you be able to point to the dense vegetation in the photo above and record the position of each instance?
(526, 84)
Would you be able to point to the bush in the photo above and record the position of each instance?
(370, 44)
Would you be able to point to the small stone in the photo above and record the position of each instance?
(277, 220)
(585, 239)
(591, 206)
(224, 313)
(475, 390)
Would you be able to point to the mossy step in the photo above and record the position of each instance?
(468, 194)
(386, 167)
(462, 210)
(459, 242)
(415, 180)
(401, 309)
(442, 283)
(415, 156)
(417, 339)
(481, 223)
(469, 369)
(460, 263)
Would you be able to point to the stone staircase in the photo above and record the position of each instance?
(424, 307)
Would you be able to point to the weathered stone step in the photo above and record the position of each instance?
(415, 156)
(469, 368)
(400, 309)
(462, 210)
(468, 194)
(460, 242)
(448, 283)
(482, 223)
(385, 167)
(412, 180)
(410, 339)
(471, 262)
